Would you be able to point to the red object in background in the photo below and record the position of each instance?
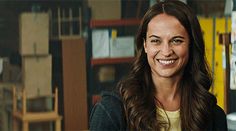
(96, 98)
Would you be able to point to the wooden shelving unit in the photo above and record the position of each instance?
(112, 23)
(103, 61)
(119, 22)
(119, 64)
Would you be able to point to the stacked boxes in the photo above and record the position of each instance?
(34, 33)
(36, 60)
(37, 75)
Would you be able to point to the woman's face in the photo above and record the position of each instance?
(167, 46)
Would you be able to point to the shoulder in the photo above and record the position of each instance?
(112, 96)
(219, 112)
(108, 113)
(219, 119)
(112, 103)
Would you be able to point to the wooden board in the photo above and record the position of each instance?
(74, 84)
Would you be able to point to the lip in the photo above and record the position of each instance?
(166, 62)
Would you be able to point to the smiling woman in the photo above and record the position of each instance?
(167, 47)
(167, 87)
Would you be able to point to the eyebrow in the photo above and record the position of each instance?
(153, 36)
(178, 36)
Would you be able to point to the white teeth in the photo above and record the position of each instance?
(166, 62)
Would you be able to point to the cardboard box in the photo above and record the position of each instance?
(34, 33)
(122, 47)
(106, 74)
(37, 75)
(105, 9)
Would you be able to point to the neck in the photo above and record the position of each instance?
(168, 93)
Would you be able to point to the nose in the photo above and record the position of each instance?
(166, 49)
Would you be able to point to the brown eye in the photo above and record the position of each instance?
(155, 41)
(176, 41)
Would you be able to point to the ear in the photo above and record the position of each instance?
(145, 45)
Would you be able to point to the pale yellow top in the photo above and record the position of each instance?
(174, 117)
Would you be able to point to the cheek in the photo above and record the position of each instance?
(151, 52)
(184, 54)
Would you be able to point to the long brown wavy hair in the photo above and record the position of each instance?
(137, 89)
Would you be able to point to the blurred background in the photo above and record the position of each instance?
(58, 56)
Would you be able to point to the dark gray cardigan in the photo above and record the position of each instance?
(108, 114)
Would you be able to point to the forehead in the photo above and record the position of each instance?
(164, 23)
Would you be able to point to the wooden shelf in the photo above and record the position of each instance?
(102, 61)
(119, 22)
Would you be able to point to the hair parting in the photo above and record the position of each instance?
(163, 7)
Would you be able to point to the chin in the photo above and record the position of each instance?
(169, 74)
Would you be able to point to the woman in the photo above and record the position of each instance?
(167, 88)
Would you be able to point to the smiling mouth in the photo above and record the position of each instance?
(166, 62)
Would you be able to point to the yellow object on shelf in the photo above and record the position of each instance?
(113, 33)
